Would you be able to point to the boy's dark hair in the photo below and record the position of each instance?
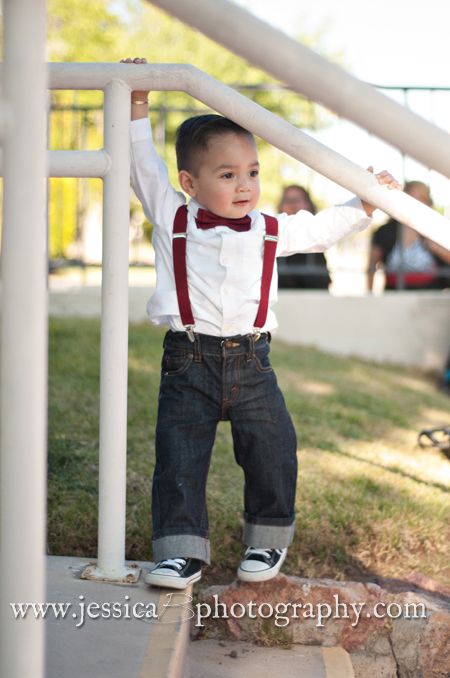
(193, 136)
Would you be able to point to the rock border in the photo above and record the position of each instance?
(388, 634)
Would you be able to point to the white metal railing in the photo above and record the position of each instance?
(314, 76)
(111, 164)
(23, 339)
(24, 269)
(114, 335)
(281, 134)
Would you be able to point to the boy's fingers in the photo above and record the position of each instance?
(388, 180)
(385, 178)
(136, 60)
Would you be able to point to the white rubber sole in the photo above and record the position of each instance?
(262, 575)
(171, 582)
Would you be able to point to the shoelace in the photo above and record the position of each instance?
(265, 553)
(173, 562)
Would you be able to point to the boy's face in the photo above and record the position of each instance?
(227, 180)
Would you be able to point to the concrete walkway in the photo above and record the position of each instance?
(104, 630)
(209, 658)
(112, 630)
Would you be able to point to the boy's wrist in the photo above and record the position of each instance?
(139, 104)
(138, 111)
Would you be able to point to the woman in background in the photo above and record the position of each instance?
(396, 247)
(293, 199)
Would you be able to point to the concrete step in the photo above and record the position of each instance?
(113, 630)
(219, 659)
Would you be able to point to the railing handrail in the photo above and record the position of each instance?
(265, 124)
(312, 75)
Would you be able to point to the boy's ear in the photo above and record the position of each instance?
(187, 182)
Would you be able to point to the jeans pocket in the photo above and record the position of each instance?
(262, 361)
(175, 362)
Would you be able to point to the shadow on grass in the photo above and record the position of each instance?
(393, 469)
(329, 395)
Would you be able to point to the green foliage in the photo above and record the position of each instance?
(83, 30)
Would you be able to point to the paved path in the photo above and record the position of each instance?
(210, 658)
(137, 631)
(90, 643)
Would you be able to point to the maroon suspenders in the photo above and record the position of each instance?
(180, 270)
(270, 248)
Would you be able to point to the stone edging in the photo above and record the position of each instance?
(413, 642)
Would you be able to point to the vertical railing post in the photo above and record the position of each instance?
(23, 341)
(114, 339)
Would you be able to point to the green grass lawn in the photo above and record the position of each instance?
(370, 501)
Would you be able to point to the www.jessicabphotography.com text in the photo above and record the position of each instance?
(282, 614)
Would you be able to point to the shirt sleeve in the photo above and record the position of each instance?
(306, 232)
(149, 177)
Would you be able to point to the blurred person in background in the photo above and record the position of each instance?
(395, 247)
(293, 199)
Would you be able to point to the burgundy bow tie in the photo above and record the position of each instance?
(207, 219)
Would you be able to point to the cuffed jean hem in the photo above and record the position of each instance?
(268, 536)
(182, 546)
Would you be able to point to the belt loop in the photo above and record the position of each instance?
(197, 349)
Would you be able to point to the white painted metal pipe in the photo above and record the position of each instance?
(114, 335)
(79, 163)
(265, 124)
(161, 77)
(23, 406)
(317, 78)
(5, 120)
(75, 163)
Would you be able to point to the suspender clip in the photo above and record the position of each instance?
(190, 332)
(256, 333)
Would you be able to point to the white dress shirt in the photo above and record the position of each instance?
(224, 266)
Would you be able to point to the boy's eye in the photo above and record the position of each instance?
(227, 175)
(254, 173)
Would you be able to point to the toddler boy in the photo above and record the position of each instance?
(216, 283)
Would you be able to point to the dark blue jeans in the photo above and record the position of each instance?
(202, 383)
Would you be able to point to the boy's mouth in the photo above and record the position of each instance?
(241, 202)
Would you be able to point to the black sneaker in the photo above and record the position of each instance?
(261, 564)
(175, 573)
